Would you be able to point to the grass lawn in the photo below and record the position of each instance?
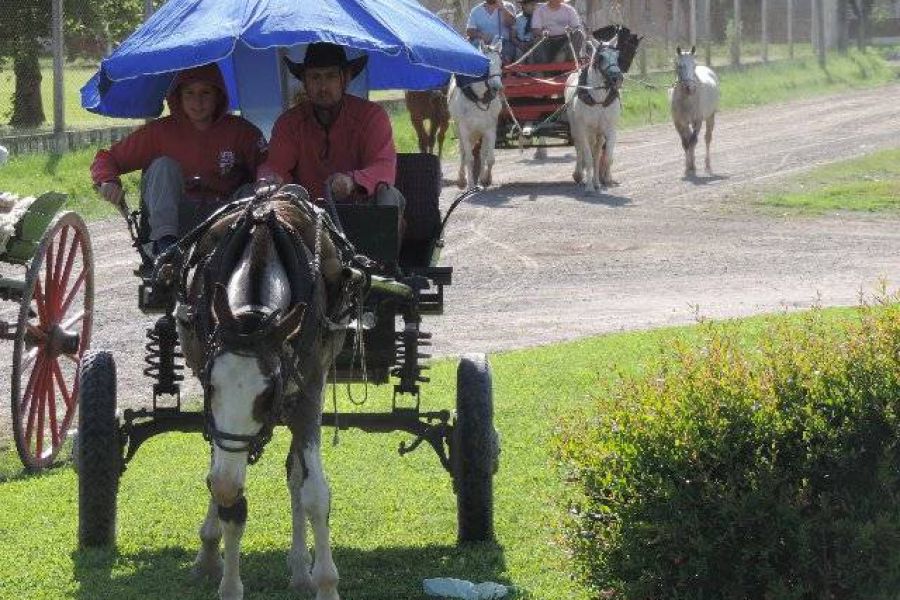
(393, 519)
(869, 183)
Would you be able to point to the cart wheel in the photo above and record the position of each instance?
(53, 331)
(99, 451)
(474, 450)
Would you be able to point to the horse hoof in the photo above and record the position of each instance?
(577, 177)
(231, 590)
(207, 568)
(461, 184)
(303, 584)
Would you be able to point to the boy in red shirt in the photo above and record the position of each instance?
(199, 153)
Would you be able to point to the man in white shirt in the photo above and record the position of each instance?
(492, 19)
(553, 20)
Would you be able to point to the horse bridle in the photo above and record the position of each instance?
(483, 103)
(584, 91)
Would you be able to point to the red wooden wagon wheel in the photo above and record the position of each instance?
(53, 331)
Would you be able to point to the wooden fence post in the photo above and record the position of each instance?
(764, 29)
(790, 28)
(736, 39)
(820, 28)
(59, 112)
(707, 7)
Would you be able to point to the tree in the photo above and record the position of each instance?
(26, 27)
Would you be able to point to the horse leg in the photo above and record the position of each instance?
(432, 130)
(465, 157)
(209, 562)
(684, 132)
(419, 125)
(476, 164)
(578, 173)
(316, 499)
(299, 559)
(695, 134)
(441, 132)
(710, 125)
(608, 152)
(234, 520)
(487, 156)
(594, 145)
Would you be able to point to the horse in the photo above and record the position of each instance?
(431, 106)
(694, 98)
(475, 106)
(592, 97)
(261, 298)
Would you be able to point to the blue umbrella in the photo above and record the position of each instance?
(408, 48)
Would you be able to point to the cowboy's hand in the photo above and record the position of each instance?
(112, 192)
(342, 186)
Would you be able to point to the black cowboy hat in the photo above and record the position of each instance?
(325, 54)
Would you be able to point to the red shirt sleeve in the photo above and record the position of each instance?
(379, 157)
(132, 153)
(281, 157)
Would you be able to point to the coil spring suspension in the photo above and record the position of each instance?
(407, 369)
(164, 359)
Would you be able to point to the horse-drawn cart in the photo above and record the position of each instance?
(405, 284)
(536, 108)
(46, 268)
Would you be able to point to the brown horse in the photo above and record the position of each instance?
(430, 105)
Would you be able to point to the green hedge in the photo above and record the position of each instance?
(735, 469)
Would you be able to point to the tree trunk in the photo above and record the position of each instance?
(28, 108)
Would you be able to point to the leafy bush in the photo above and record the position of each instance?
(764, 469)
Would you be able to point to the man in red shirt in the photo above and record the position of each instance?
(334, 138)
(199, 153)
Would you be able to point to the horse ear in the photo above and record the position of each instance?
(693, 49)
(678, 49)
(288, 328)
(221, 309)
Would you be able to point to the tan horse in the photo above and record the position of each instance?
(431, 106)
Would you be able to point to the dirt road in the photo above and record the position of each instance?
(536, 261)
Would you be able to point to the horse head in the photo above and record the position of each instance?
(605, 64)
(685, 69)
(495, 69)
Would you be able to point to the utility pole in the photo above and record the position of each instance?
(59, 113)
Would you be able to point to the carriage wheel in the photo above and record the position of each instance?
(53, 331)
(474, 450)
(99, 451)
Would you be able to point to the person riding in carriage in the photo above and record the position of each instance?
(556, 22)
(333, 138)
(198, 154)
(492, 20)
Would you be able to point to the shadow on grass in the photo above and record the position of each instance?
(52, 164)
(379, 574)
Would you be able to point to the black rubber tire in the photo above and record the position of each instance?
(99, 451)
(474, 450)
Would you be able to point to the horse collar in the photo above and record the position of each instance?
(584, 91)
(489, 93)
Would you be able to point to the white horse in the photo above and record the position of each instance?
(259, 343)
(592, 97)
(694, 98)
(475, 106)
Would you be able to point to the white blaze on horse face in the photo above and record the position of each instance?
(236, 383)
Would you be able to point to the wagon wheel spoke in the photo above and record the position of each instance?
(36, 410)
(49, 284)
(35, 335)
(63, 388)
(60, 248)
(76, 287)
(25, 402)
(51, 412)
(63, 279)
(72, 320)
(29, 358)
(40, 301)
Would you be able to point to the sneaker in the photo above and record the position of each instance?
(163, 244)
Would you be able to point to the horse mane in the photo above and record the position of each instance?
(626, 43)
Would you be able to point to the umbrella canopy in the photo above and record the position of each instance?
(408, 48)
